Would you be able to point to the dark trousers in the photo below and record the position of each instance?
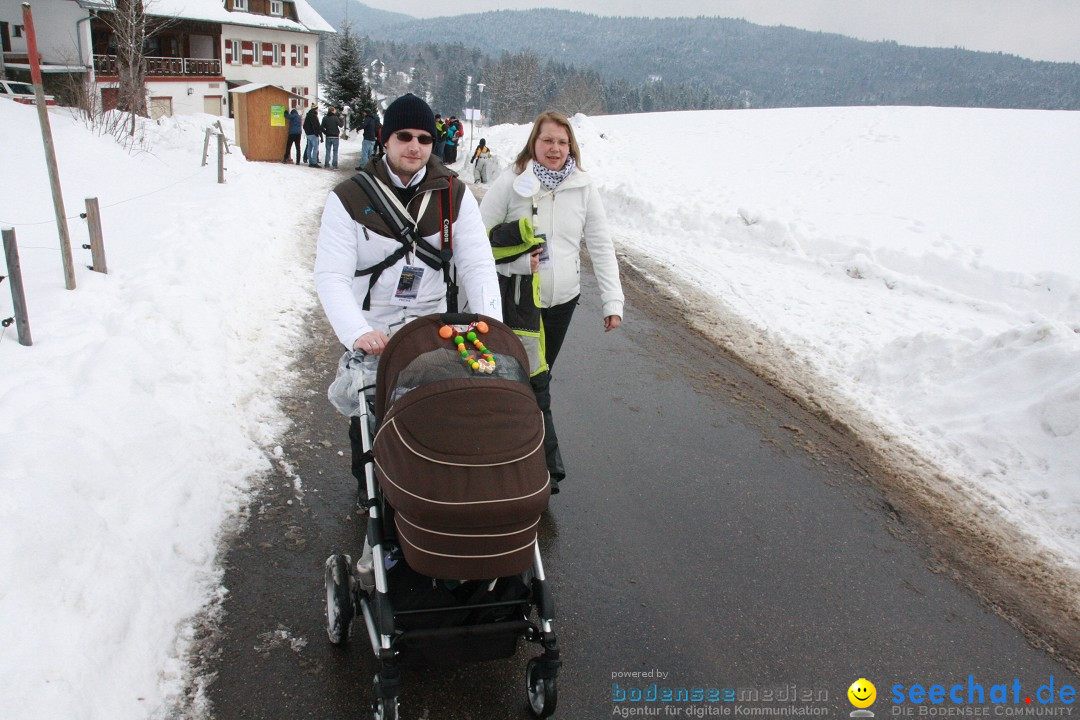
(357, 443)
(556, 323)
(293, 140)
(357, 450)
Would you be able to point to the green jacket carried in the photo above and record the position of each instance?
(520, 293)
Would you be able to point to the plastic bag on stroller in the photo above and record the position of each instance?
(356, 372)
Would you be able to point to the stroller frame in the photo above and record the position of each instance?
(347, 599)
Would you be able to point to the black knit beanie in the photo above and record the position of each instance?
(407, 112)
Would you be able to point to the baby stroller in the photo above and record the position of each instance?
(456, 481)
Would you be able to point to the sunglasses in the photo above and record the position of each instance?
(407, 137)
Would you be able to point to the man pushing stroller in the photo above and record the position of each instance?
(371, 280)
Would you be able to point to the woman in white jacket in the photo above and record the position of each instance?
(549, 186)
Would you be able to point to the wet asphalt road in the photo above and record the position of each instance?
(709, 530)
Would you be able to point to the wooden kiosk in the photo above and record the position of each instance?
(261, 117)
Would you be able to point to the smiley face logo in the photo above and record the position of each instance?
(862, 693)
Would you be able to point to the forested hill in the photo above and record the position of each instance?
(362, 18)
(747, 65)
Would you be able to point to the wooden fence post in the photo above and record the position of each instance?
(18, 298)
(221, 158)
(50, 153)
(97, 241)
(222, 131)
(206, 146)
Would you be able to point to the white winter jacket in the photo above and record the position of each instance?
(566, 215)
(345, 246)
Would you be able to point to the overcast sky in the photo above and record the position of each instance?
(1038, 29)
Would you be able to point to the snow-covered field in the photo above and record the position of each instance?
(915, 270)
(920, 264)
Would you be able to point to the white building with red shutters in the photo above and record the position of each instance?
(197, 49)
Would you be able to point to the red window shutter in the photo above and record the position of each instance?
(228, 52)
(247, 52)
(292, 55)
(268, 54)
(305, 56)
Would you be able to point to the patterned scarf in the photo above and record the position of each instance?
(552, 178)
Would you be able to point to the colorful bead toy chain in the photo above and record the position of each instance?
(486, 362)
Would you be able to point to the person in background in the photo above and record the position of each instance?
(453, 133)
(378, 138)
(440, 136)
(313, 128)
(549, 186)
(331, 127)
(370, 125)
(481, 158)
(296, 127)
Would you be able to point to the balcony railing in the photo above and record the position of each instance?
(162, 66)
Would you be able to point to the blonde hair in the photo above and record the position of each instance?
(528, 153)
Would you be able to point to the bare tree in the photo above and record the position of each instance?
(583, 93)
(128, 24)
(132, 27)
(516, 88)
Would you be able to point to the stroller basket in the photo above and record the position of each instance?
(474, 643)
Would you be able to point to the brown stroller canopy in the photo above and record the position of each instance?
(459, 454)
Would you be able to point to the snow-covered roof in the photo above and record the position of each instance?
(252, 87)
(312, 19)
(48, 68)
(214, 11)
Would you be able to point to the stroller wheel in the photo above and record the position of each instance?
(339, 598)
(385, 708)
(542, 692)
